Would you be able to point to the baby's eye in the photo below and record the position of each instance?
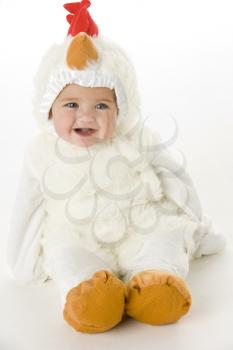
(71, 105)
(101, 106)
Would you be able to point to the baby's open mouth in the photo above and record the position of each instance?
(84, 131)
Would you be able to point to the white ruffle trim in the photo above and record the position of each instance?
(87, 78)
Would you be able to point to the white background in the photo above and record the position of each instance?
(183, 54)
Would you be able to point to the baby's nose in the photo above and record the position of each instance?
(85, 115)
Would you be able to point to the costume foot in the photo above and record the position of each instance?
(157, 297)
(97, 304)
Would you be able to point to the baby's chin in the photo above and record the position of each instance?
(84, 140)
(88, 140)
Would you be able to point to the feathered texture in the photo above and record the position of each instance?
(50, 60)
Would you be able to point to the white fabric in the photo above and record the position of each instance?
(34, 312)
(23, 250)
(33, 228)
(70, 265)
(178, 187)
(88, 78)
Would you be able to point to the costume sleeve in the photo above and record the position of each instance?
(26, 228)
(178, 186)
(176, 182)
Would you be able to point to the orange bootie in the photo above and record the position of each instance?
(157, 297)
(96, 305)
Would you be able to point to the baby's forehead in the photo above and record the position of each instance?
(74, 90)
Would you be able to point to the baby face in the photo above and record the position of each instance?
(84, 116)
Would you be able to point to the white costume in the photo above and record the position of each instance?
(124, 205)
(80, 210)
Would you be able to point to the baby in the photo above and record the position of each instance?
(92, 109)
(101, 208)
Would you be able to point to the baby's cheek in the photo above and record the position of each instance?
(63, 129)
(109, 127)
(67, 124)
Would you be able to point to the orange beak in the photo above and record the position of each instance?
(81, 51)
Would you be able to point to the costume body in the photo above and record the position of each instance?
(55, 233)
(104, 204)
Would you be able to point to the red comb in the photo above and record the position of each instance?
(80, 20)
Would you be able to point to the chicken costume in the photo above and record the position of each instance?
(115, 224)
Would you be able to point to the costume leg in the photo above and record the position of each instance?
(92, 296)
(156, 290)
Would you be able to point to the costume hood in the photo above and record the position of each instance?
(90, 60)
